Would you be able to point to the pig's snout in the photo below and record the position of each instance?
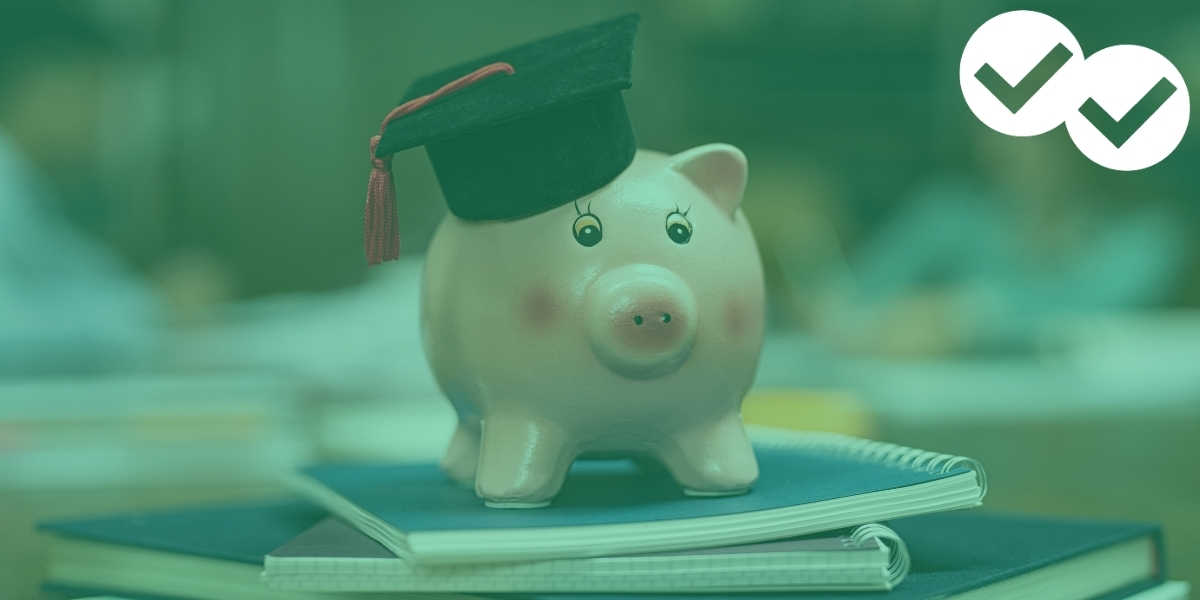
(641, 321)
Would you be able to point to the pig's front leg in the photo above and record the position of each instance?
(462, 457)
(712, 460)
(522, 462)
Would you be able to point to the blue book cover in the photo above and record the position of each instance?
(809, 482)
(242, 533)
(952, 553)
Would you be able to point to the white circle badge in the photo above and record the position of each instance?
(1019, 73)
(1136, 111)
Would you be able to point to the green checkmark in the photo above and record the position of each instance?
(1015, 96)
(1118, 131)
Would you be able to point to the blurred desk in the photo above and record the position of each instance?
(1105, 423)
(151, 430)
(81, 446)
(1140, 469)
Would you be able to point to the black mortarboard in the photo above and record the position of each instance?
(549, 130)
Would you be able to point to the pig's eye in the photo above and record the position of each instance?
(588, 230)
(679, 229)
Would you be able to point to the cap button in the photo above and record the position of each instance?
(384, 163)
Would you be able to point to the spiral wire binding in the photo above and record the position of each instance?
(844, 446)
(899, 562)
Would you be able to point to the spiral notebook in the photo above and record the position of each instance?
(809, 482)
(217, 554)
(331, 556)
(982, 556)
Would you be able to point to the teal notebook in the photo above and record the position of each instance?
(808, 483)
(213, 553)
(181, 554)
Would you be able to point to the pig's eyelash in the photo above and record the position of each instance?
(680, 212)
(587, 212)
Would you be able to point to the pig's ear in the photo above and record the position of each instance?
(719, 170)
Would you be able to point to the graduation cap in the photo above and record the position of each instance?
(512, 134)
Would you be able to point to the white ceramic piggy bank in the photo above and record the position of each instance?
(629, 322)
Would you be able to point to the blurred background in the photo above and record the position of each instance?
(186, 312)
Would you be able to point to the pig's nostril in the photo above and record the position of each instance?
(666, 317)
(637, 320)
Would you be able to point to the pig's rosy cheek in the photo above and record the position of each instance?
(735, 318)
(540, 307)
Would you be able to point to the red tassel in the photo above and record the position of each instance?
(381, 226)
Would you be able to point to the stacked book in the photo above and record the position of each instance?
(830, 517)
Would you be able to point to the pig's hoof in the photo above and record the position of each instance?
(714, 493)
(491, 504)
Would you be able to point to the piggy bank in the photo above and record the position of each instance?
(628, 322)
